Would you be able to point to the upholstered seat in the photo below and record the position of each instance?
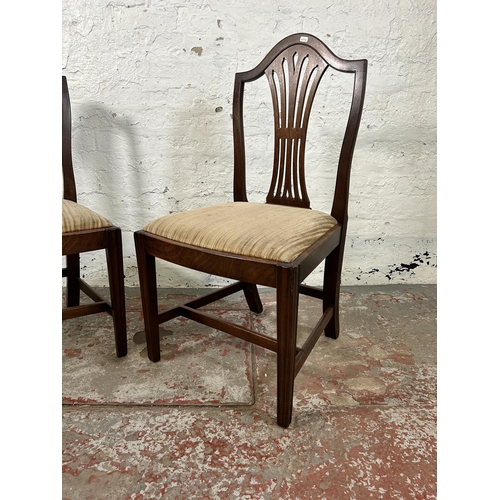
(76, 217)
(271, 232)
(83, 230)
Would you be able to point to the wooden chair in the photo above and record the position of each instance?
(277, 243)
(83, 230)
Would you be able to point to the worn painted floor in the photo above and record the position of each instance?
(201, 422)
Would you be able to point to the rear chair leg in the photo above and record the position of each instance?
(149, 296)
(114, 257)
(287, 296)
(252, 297)
(331, 291)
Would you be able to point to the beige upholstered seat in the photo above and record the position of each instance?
(83, 231)
(76, 217)
(264, 231)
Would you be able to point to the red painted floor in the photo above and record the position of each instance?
(201, 422)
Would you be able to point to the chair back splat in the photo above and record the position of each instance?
(294, 69)
(274, 244)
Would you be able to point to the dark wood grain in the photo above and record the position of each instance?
(77, 242)
(293, 68)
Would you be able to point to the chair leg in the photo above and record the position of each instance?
(331, 290)
(72, 280)
(252, 297)
(114, 258)
(149, 296)
(287, 296)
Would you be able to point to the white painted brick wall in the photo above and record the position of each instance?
(151, 87)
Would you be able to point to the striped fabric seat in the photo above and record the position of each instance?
(76, 217)
(273, 232)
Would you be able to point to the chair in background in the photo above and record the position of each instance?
(83, 230)
(274, 244)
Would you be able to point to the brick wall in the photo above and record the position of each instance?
(151, 87)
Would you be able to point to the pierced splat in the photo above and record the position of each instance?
(293, 67)
(294, 79)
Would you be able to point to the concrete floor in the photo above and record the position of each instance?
(201, 423)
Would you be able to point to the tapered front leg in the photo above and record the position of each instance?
(72, 280)
(149, 296)
(114, 257)
(287, 296)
